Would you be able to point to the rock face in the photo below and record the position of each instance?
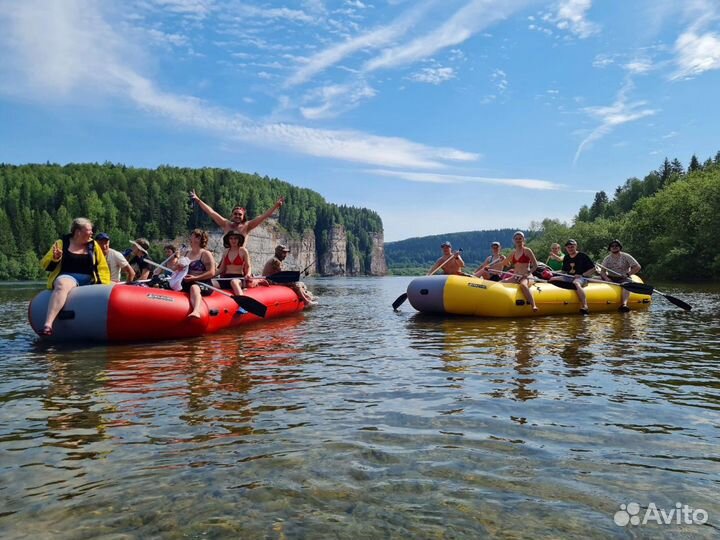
(334, 261)
(303, 251)
(378, 265)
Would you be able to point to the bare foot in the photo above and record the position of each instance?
(194, 315)
(47, 331)
(535, 308)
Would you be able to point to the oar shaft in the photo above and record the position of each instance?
(453, 256)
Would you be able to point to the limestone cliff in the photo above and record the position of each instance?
(304, 251)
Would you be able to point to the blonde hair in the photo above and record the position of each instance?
(79, 223)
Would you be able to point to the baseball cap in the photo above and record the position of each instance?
(102, 236)
(571, 242)
(281, 248)
(446, 243)
(495, 244)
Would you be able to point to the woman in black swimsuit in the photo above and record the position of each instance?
(201, 269)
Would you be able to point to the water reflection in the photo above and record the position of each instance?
(354, 421)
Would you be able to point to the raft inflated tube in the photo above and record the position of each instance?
(461, 295)
(123, 313)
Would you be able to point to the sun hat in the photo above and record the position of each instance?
(226, 238)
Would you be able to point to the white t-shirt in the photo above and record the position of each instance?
(116, 262)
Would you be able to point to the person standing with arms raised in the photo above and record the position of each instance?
(238, 221)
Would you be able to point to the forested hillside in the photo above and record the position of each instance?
(668, 221)
(38, 202)
(416, 255)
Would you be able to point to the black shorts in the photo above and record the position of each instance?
(225, 283)
(495, 277)
(619, 279)
(204, 291)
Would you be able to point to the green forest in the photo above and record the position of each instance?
(416, 255)
(38, 203)
(667, 220)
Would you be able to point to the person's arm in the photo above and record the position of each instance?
(633, 264)
(143, 270)
(533, 261)
(129, 271)
(460, 260)
(223, 266)
(435, 266)
(591, 270)
(217, 218)
(250, 225)
(247, 269)
(53, 257)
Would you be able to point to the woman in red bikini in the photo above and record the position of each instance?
(524, 261)
(235, 264)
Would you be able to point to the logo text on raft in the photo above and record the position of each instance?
(477, 285)
(160, 297)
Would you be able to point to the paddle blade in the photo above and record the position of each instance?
(286, 276)
(637, 288)
(398, 302)
(679, 303)
(251, 305)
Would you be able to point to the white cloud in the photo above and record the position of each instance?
(611, 116)
(68, 51)
(696, 53)
(433, 75)
(571, 16)
(475, 16)
(197, 8)
(439, 178)
(639, 66)
(603, 60)
(373, 39)
(335, 98)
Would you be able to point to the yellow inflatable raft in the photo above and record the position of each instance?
(460, 295)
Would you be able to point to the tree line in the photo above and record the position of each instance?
(667, 220)
(39, 201)
(417, 255)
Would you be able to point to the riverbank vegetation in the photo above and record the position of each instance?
(38, 202)
(667, 221)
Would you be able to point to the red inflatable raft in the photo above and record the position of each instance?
(120, 313)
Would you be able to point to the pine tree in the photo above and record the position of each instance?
(694, 164)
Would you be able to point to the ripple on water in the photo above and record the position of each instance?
(355, 421)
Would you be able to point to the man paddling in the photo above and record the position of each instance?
(451, 263)
(621, 265)
(274, 265)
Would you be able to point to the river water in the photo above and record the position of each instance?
(352, 421)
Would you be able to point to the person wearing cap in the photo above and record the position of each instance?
(492, 267)
(73, 261)
(555, 259)
(451, 263)
(116, 261)
(579, 266)
(235, 264)
(621, 266)
(274, 265)
(524, 263)
(238, 221)
(137, 256)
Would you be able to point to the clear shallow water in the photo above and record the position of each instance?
(351, 421)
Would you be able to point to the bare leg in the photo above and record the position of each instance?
(236, 287)
(61, 289)
(524, 285)
(581, 294)
(195, 302)
(625, 296)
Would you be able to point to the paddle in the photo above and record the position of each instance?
(285, 276)
(642, 288)
(248, 304)
(304, 271)
(400, 299)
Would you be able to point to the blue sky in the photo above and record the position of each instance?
(442, 115)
